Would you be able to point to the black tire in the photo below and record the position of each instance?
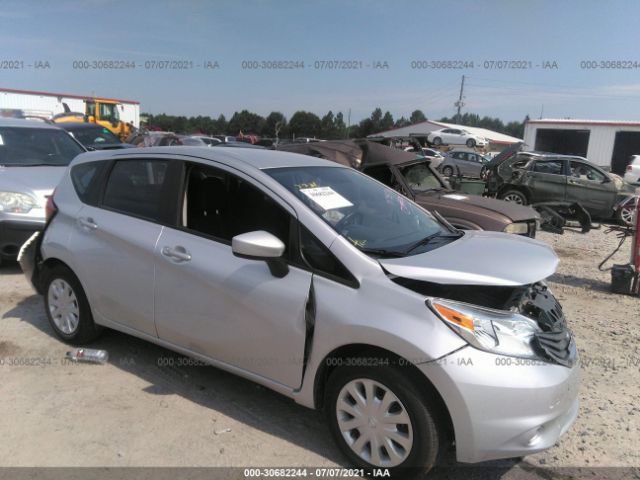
(427, 437)
(447, 171)
(515, 196)
(86, 330)
(471, 143)
(437, 141)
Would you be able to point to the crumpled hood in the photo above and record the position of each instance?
(39, 182)
(479, 258)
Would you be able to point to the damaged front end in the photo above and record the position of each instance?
(521, 321)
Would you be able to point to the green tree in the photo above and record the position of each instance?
(305, 124)
(340, 126)
(387, 122)
(417, 116)
(328, 126)
(275, 125)
(246, 122)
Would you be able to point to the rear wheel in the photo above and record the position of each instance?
(67, 307)
(471, 143)
(379, 419)
(515, 196)
(447, 171)
(437, 141)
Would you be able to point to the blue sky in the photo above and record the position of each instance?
(395, 32)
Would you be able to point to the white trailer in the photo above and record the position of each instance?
(48, 104)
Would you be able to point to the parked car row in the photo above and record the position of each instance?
(318, 281)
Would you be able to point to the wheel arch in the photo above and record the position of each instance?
(526, 191)
(425, 385)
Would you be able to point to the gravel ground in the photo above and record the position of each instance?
(136, 412)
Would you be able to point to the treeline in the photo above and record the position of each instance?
(308, 124)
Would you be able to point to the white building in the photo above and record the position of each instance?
(605, 143)
(497, 141)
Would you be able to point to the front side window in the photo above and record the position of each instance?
(420, 178)
(221, 205)
(135, 188)
(375, 219)
(586, 172)
(29, 146)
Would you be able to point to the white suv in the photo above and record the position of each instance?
(632, 175)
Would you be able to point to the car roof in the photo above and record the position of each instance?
(24, 123)
(70, 125)
(260, 159)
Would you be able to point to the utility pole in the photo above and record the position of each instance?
(348, 123)
(460, 103)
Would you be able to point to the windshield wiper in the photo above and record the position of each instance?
(426, 240)
(381, 252)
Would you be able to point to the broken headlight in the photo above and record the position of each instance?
(495, 331)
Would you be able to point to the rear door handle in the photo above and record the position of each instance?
(87, 223)
(178, 253)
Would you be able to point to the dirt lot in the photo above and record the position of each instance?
(135, 411)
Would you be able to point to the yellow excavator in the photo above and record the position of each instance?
(100, 111)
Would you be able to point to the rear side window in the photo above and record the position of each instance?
(134, 187)
(84, 178)
(553, 167)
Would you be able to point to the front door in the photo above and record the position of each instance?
(228, 308)
(591, 188)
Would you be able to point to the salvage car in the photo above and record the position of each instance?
(533, 177)
(455, 136)
(33, 158)
(632, 173)
(463, 162)
(415, 177)
(94, 137)
(318, 282)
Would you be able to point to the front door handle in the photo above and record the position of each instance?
(178, 253)
(87, 223)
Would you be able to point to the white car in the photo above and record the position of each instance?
(632, 175)
(455, 136)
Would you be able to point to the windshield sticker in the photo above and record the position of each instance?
(455, 197)
(357, 243)
(326, 198)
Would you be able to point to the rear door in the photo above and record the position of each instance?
(547, 180)
(114, 240)
(231, 309)
(591, 188)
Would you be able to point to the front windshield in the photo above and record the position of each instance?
(109, 111)
(374, 218)
(25, 146)
(420, 178)
(95, 136)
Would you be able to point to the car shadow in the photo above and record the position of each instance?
(169, 373)
(10, 268)
(572, 280)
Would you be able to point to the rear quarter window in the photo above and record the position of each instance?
(85, 178)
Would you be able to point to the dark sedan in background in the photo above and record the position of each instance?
(414, 177)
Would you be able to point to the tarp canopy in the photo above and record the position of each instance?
(359, 153)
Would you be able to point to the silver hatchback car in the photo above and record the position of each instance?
(322, 284)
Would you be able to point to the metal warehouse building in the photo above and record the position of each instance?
(605, 143)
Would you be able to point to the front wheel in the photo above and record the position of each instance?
(67, 307)
(625, 215)
(379, 419)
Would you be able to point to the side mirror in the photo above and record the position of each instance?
(261, 245)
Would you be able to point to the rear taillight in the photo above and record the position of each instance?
(629, 168)
(51, 208)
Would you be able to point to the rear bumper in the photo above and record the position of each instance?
(13, 234)
(503, 407)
